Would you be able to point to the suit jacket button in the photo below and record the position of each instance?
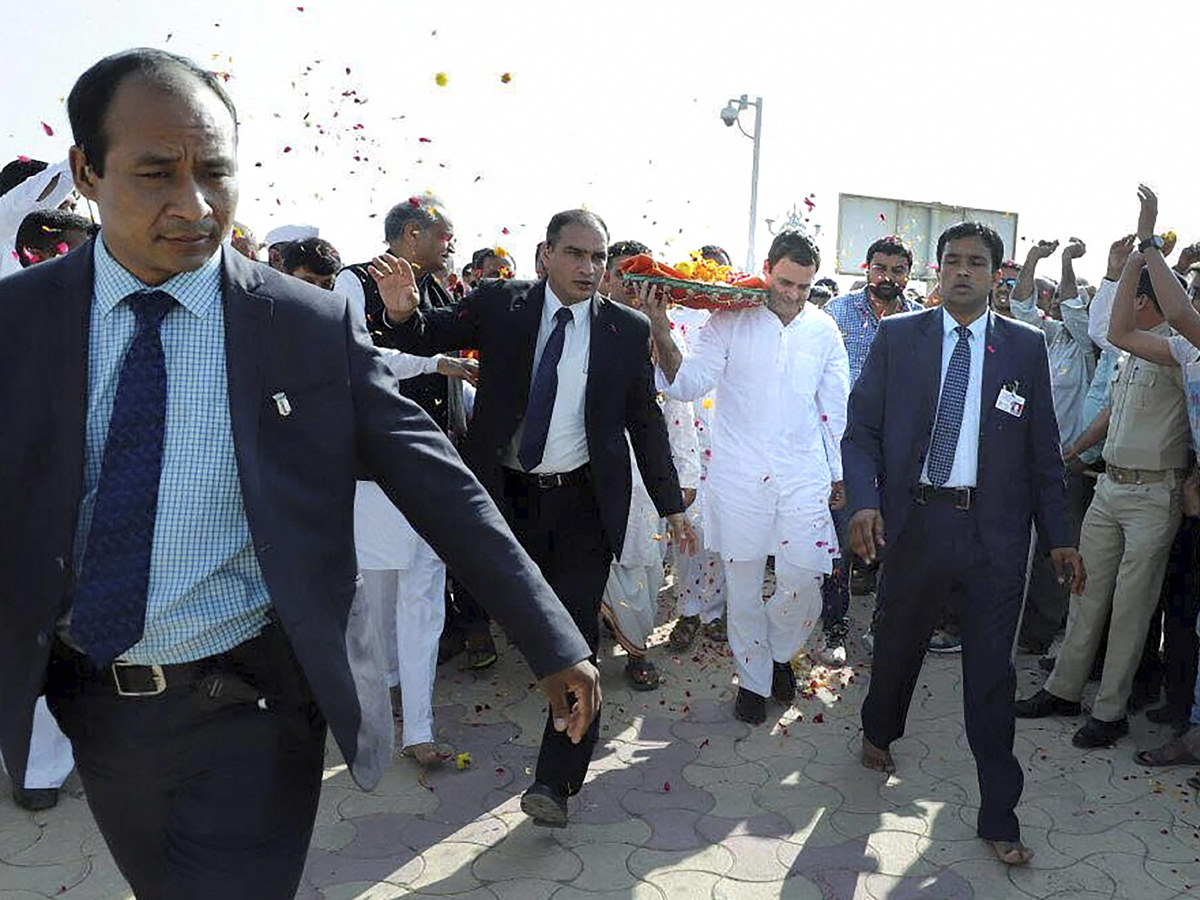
(61, 562)
(43, 639)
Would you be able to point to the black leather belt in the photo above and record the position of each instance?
(133, 680)
(962, 497)
(546, 481)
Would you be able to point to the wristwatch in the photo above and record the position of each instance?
(1154, 241)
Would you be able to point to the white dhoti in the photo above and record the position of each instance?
(405, 585)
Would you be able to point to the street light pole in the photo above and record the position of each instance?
(731, 115)
(751, 262)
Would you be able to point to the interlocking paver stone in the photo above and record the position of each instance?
(683, 801)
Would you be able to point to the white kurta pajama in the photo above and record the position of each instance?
(405, 585)
(631, 594)
(780, 409)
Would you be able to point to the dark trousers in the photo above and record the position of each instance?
(835, 587)
(1179, 605)
(939, 555)
(197, 799)
(1046, 600)
(560, 528)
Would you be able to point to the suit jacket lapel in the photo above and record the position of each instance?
(247, 324)
(994, 342)
(69, 327)
(600, 349)
(930, 371)
(527, 308)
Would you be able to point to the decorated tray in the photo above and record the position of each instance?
(721, 289)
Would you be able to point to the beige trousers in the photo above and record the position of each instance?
(1125, 541)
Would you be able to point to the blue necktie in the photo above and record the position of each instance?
(108, 613)
(950, 410)
(541, 395)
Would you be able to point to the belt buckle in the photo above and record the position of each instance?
(546, 481)
(157, 678)
(964, 501)
(921, 497)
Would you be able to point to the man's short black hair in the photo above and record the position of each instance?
(1145, 286)
(988, 235)
(90, 98)
(715, 253)
(829, 283)
(584, 217)
(890, 245)
(43, 230)
(624, 248)
(17, 171)
(423, 211)
(315, 254)
(796, 246)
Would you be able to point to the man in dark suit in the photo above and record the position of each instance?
(564, 373)
(952, 442)
(177, 564)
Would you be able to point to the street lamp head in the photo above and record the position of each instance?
(729, 114)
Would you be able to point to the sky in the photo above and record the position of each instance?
(1053, 110)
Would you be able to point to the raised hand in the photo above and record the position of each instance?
(1149, 212)
(1041, 250)
(1075, 248)
(1118, 253)
(397, 286)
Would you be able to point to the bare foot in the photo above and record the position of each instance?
(874, 758)
(428, 754)
(1012, 853)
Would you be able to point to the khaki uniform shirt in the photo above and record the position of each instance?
(1149, 425)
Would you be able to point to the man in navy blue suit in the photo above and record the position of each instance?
(952, 442)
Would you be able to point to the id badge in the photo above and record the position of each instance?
(1011, 403)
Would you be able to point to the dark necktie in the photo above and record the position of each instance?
(108, 612)
(950, 410)
(541, 395)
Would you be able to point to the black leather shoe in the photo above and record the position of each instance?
(35, 799)
(546, 806)
(783, 683)
(1043, 704)
(750, 707)
(1100, 734)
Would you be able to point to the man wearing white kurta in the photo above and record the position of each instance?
(782, 381)
(404, 582)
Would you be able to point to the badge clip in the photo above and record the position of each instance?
(282, 403)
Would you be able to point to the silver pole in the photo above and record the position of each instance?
(751, 261)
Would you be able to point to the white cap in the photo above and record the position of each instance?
(285, 233)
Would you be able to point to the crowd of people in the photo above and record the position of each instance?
(265, 486)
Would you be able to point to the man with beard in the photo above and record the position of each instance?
(781, 381)
(858, 314)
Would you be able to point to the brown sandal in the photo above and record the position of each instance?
(1172, 753)
(429, 754)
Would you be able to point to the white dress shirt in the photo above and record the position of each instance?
(778, 415)
(966, 454)
(566, 441)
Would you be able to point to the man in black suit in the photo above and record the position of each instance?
(952, 442)
(564, 373)
(177, 563)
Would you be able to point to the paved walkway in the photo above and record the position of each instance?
(685, 802)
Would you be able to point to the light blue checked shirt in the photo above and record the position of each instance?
(207, 593)
(858, 324)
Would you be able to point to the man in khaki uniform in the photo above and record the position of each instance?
(1126, 536)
